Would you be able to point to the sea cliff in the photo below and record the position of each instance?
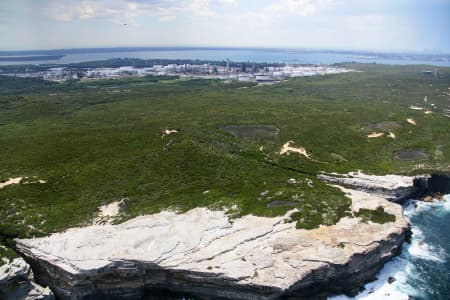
(16, 283)
(205, 255)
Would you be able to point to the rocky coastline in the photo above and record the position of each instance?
(203, 255)
(434, 185)
(17, 282)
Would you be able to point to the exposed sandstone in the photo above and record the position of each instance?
(392, 187)
(204, 254)
(16, 283)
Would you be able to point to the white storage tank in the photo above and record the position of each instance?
(244, 77)
(262, 77)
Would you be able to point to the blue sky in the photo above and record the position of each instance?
(388, 25)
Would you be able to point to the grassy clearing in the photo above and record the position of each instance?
(96, 142)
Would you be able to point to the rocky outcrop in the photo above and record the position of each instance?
(436, 184)
(392, 187)
(204, 254)
(16, 283)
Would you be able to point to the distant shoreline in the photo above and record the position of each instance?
(175, 48)
(30, 58)
(260, 55)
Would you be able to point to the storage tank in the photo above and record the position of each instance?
(244, 77)
(262, 77)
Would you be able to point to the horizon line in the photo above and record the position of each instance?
(315, 49)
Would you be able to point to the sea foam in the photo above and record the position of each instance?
(402, 268)
(419, 249)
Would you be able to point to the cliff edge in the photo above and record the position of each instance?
(205, 255)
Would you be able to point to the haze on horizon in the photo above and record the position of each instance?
(383, 25)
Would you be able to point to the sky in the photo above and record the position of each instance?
(387, 25)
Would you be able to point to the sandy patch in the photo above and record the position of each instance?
(375, 135)
(411, 121)
(169, 132)
(287, 149)
(427, 112)
(20, 180)
(11, 181)
(108, 212)
(416, 107)
(425, 99)
(391, 135)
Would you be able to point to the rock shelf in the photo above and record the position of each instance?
(204, 254)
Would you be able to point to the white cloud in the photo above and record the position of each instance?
(87, 10)
(66, 11)
(298, 7)
(127, 11)
(200, 8)
(227, 1)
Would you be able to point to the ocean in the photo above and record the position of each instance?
(422, 270)
(290, 56)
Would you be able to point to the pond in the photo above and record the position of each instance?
(411, 154)
(268, 133)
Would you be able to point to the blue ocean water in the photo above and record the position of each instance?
(291, 56)
(422, 271)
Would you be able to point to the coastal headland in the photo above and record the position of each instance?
(215, 188)
(205, 255)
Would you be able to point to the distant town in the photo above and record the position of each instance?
(226, 71)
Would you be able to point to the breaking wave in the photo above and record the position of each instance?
(421, 271)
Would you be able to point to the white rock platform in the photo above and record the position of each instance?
(205, 254)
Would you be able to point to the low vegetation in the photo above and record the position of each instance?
(100, 141)
(377, 215)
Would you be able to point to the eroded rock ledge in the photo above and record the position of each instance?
(16, 283)
(204, 254)
(392, 187)
(434, 185)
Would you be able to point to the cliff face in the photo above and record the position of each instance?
(205, 255)
(16, 283)
(432, 185)
(138, 280)
(392, 187)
